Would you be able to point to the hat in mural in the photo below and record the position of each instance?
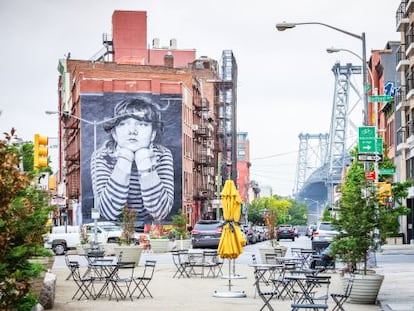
(140, 108)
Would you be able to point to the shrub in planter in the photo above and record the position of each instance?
(23, 216)
(362, 212)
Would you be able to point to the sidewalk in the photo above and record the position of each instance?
(186, 294)
(397, 264)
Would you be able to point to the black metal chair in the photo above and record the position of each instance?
(70, 259)
(314, 293)
(341, 298)
(84, 284)
(142, 281)
(180, 259)
(212, 263)
(266, 293)
(122, 280)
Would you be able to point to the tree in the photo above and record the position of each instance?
(23, 215)
(269, 211)
(360, 215)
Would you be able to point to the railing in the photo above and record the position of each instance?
(401, 12)
(400, 54)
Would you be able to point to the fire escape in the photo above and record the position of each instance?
(203, 154)
(72, 155)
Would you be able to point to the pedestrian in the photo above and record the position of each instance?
(131, 167)
(326, 258)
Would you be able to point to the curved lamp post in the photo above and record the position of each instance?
(283, 26)
(375, 89)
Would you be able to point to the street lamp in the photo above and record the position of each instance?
(375, 92)
(337, 50)
(283, 26)
(95, 211)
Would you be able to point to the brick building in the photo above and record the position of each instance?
(197, 122)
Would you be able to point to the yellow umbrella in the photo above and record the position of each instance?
(232, 240)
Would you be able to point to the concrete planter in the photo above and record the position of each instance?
(365, 289)
(47, 262)
(394, 240)
(166, 245)
(271, 250)
(129, 253)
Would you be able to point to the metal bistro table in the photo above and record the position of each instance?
(105, 269)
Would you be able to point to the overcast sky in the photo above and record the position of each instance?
(285, 82)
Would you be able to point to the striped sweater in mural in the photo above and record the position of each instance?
(151, 194)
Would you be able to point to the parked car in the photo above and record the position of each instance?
(309, 230)
(206, 234)
(285, 231)
(324, 232)
(261, 232)
(251, 235)
(296, 232)
(63, 238)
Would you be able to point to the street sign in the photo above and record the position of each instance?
(366, 132)
(370, 145)
(380, 98)
(370, 175)
(366, 145)
(367, 157)
(386, 171)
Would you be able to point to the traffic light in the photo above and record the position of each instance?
(384, 191)
(40, 151)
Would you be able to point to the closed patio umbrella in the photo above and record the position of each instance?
(232, 239)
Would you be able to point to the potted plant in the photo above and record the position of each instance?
(362, 221)
(128, 249)
(179, 233)
(270, 218)
(158, 239)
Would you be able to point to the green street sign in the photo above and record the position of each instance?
(370, 145)
(366, 132)
(379, 146)
(380, 98)
(386, 171)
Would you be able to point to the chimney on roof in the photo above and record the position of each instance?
(169, 60)
(173, 44)
(156, 43)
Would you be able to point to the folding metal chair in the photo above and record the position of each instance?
(180, 259)
(122, 280)
(84, 283)
(314, 293)
(266, 293)
(340, 299)
(70, 259)
(142, 282)
(212, 263)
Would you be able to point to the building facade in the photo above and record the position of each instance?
(404, 109)
(190, 91)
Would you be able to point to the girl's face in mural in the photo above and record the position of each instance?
(133, 134)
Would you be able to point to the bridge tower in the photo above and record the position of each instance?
(313, 151)
(342, 126)
(319, 184)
